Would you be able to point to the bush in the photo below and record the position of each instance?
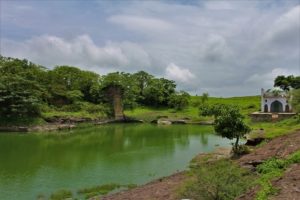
(252, 105)
(221, 179)
(179, 101)
(271, 169)
(61, 195)
(241, 150)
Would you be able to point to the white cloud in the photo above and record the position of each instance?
(177, 73)
(139, 23)
(80, 51)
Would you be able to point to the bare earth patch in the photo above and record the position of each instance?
(164, 188)
(279, 147)
(288, 184)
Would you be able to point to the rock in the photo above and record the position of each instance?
(164, 122)
(180, 121)
(254, 141)
(154, 121)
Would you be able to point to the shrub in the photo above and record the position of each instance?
(61, 195)
(221, 179)
(179, 101)
(241, 150)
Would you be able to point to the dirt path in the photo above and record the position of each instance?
(165, 188)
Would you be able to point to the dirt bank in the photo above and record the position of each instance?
(288, 185)
(279, 147)
(164, 188)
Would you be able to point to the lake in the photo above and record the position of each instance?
(33, 164)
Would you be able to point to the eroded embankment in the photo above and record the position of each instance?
(288, 185)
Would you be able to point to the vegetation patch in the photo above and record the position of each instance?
(221, 179)
(103, 189)
(61, 195)
(270, 170)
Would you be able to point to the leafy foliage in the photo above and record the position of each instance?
(180, 100)
(61, 195)
(26, 89)
(271, 169)
(220, 179)
(228, 121)
(287, 82)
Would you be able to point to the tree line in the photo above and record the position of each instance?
(26, 88)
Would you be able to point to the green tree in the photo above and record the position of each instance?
(19, 97)
(159, 91)
(228, 122)
(142, 79)
(179, 100)
(204, 97)
(65, 80)
(287, 82)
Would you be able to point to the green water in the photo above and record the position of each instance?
(33, 164)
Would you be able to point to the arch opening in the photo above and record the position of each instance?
(276, 106)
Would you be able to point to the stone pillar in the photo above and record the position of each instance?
(262, 101)
(118, 106)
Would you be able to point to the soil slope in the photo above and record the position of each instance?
(288, 185)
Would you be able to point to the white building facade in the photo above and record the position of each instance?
(275, 101)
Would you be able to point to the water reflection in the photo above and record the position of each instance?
(121, 153)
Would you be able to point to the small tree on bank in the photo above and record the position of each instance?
(228, 122)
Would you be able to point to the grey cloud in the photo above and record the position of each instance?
(230, 47)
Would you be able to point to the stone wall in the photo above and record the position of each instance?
(267, 117)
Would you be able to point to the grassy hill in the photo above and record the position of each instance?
(247, 104)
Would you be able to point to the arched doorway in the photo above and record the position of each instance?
(276, 106)
(287, 108)
(266, 108)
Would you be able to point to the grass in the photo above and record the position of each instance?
(78, 114)
(216, 179)
(270, 170)
(274, 129)
(21, 121)
(247, 105)
(61, 195)
(102, 189)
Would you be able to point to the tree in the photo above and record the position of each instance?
(65, 79)
(19, 97)
(204, 97)
(142, 79)
(159, 91)
(179, 100)
(287, 82)
(228, 122)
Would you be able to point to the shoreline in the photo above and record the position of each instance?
(167, 188)
(58, 124)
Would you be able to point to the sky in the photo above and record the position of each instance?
(225, 48)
